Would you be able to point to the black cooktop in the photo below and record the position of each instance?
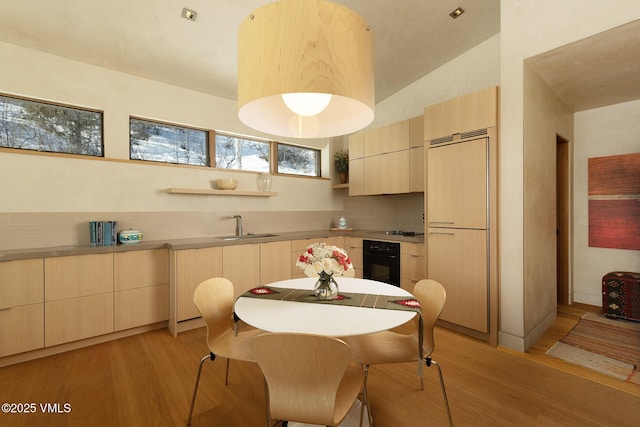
(403, 233)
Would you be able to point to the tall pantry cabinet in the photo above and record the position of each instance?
(461, 206)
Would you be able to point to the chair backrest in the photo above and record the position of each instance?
(349, 273)
(214, 300)
(303, 373)
(432, 297)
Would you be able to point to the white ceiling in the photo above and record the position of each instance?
(150, 39)
(600, 70)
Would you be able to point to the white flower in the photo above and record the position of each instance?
(319, 257)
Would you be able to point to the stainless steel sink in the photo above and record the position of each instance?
(247, 236)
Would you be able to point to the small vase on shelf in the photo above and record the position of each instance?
(326, 287)
(263, 181)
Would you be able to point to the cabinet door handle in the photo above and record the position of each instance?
(441, 222)
(5, 308)
(441, 233)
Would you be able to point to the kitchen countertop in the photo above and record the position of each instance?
(197, 242)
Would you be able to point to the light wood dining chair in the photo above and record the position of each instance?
(308, 378)
(214, 299)
(400, 345)
(349, 273)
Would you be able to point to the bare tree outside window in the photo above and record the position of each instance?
(39, 126)
(159, 142)
(233, 152)
(298, 160)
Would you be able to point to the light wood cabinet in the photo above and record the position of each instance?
(416, 169)
(413, 264)
(78, 297)
(477, 110)
(356, 146)
(275, 263)
(241, 265)
(387, 173)
(78, 318)
(141, 306)
(76, 276)
(334, 241)
(458, 260)
(190, 267)
(416, 131)
(141, 284)
(353, 246)
(457, 177)
(416, 155)
(392, 161)
(356, 176)
(461, 206)
(387, 139)
(21, 306)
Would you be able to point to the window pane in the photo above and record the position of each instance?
(242, 154)
(158, 142)
(298, 160)
(31, 125)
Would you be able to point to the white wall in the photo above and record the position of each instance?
(599, 132)
(48, 184)
(476, 69)
(529, 28)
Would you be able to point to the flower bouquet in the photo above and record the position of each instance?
(324, 261)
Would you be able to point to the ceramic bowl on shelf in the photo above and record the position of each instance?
(226, 184)
(130, 237)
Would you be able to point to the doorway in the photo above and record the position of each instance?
(562, 220)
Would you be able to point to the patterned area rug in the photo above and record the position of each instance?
(609, 346)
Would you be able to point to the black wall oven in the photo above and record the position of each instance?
(381, 261)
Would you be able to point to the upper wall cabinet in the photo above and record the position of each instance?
(387, 160)
(477, 110)
(356, 146)
(387, 139)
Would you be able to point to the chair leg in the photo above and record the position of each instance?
(226, 375)
(429, 361)
(195, 390)
(365, 398)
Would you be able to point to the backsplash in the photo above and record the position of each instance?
(389, 212)
(39, 230)
(24, 230)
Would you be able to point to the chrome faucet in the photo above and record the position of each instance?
(238, 224)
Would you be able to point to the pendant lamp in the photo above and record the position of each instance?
(305, 70)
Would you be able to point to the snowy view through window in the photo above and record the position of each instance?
(31, 125)
(242, 154)
(38, 126)
(168, 144)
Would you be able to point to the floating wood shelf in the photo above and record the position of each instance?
(335, 186)
(205, 191)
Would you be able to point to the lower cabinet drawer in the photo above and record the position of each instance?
(78, 318)
(21, 329)
(142, 306)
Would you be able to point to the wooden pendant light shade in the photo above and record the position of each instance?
(305, 46)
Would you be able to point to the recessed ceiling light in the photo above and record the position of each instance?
(459, 11)
(189, 14)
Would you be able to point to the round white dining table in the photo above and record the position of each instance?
(323, 318)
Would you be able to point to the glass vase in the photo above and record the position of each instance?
(263, 181)
(326, 287)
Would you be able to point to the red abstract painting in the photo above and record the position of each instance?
(614, 202)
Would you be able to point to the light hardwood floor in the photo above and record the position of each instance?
(147, 380)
